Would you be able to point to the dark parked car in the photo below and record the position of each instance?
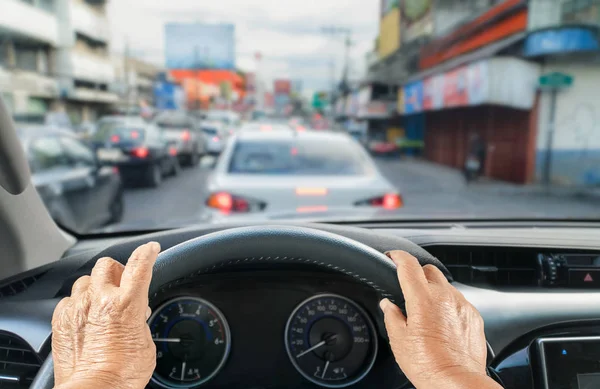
(79, 193)
(140, 150)
(183, 130)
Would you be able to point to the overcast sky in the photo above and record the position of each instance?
(288, 33)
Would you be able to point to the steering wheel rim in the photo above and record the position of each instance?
(277, 245)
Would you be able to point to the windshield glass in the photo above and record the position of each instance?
(117, 132)
(459, 109)
(295, 158)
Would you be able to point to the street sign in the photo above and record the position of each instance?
(555, 80)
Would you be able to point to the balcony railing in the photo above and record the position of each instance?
(25, 20)
(89, 22)
(92, 68)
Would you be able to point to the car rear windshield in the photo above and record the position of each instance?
(210, 130)
(118, 132)
(297, 157)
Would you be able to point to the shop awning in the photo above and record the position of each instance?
(486, 52)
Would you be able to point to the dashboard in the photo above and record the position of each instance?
(299, 326)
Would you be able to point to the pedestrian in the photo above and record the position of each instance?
(475, 158)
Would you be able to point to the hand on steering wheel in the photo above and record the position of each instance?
(99, 335)
(440, 343)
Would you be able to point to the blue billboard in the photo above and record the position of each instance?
(565, 40)
(413, 97)
(168, 96)
(200, 46)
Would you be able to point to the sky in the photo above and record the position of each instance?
(288, 33)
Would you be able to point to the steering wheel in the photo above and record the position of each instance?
(274, 245)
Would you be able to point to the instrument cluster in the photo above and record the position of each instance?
(329, 339)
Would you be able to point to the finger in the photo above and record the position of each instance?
(148, 313)
(138, 271)
(434, 275)
(60, 307)
(107, 271)
(410, 274)
(81, 285)
(395, 321)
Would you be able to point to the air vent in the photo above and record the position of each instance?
(15, 287)
(497, 266)
(18, 363)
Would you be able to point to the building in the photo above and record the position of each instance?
(563, 39)
(55, 53)
(134, 81)
(27, 82)
(83, 65)
(493, 78)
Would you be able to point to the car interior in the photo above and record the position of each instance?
(265, 289)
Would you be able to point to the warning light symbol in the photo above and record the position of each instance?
(588, 278)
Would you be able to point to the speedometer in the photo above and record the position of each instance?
(331, 341)
(192, 342)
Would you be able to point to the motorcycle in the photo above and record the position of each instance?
(472, 168)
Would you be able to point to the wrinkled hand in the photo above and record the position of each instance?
(441, 342)
(99, 335)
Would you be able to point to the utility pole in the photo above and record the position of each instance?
(336, 31)
(126, 74)
(197, 78)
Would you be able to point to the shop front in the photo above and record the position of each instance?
(491, 102)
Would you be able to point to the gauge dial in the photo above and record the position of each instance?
(331, 341)
(192, 342)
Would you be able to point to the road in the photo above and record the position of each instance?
(427, 190)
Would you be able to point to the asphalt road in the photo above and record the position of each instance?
(427, 190)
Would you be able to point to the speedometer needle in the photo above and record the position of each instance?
(325, 369)
(183, 370)
(167, 340)
(316, 346)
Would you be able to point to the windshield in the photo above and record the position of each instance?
(298, 157)
(398, 110)
(118, 132)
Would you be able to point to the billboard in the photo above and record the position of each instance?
(250, 83)
(413, 97)
(168, 95)
(282, 87)
(200, 46)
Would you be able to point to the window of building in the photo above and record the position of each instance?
(26, 58)
(46, 5)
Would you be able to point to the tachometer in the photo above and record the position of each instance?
(331, 341)
(192, 342)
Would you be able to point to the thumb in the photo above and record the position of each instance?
(395, 321)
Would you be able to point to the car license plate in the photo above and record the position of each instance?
(113, 155)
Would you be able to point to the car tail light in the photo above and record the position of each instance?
(140, 152)
(185, 135)
(115, 170)
(228, 203)
(115, 139)
(215, 138)
(265, 128)
(135, 134)
(173, 151)
(300, 129)
(387, 201)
